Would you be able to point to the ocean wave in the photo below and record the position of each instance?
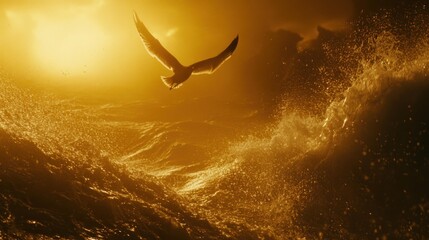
(55, 197)
(58, 178)
(357, 171)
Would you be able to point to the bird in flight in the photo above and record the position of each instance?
(181, 73)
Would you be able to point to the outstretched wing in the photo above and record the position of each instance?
(154, 47)
(210, 65)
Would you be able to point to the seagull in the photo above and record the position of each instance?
(181, 73)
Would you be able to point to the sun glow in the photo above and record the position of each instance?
(69, 46)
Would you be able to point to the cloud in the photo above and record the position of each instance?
(255, 16)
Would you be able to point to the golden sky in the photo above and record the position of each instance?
(94, 43)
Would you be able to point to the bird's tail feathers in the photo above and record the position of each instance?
(169, 82)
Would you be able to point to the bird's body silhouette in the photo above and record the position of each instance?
(181, 73)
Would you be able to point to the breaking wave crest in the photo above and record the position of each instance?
(325, 175)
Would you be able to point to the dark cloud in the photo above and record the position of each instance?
(374, 6)
(278, 71)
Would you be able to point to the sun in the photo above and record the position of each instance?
(68, 46)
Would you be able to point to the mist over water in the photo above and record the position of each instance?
(357, 168)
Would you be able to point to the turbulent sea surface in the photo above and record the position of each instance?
(357, 170)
